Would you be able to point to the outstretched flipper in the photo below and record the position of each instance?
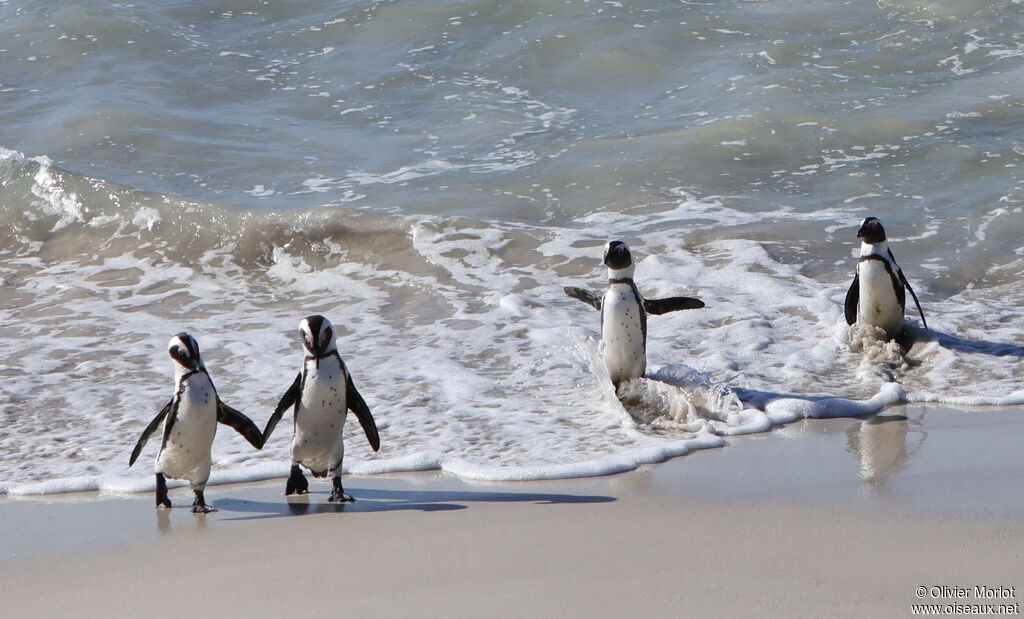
(357, 405)
(852, 298)
(148, 432)
(288, 400)
(242, 424)
(584, 295)
(671, 304)
(906, 284)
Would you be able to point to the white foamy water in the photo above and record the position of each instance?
(431, 175)
(457, 331)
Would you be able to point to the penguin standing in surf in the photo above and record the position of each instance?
(190, 423)
(624, 314)
(877, 296)
(320, 397)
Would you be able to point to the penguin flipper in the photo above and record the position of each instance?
(584, 295)
(288, 400)
(852, 298)
(148, 432)
(242, 424)
(357, 405)
(671, 304)
(906, 284)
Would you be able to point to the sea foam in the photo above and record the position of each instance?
(457, 332)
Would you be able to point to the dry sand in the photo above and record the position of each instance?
(838, 518)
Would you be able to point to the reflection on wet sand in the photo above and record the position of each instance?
(881, 445)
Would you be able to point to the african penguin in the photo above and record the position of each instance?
(624, 315)
(321, 396)
(877, 296)
(190, 423)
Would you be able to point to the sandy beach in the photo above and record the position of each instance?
(431, 176)
(842, 517)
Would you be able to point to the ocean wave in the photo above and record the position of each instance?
(458, 333)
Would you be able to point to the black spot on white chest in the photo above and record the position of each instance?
(325, 391)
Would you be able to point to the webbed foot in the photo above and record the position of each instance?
(199, 506)
(297, 483)
(340, 497)
(338, 494)
(161, 492)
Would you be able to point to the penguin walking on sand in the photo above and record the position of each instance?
(877, 296)
(624, 314)
(320, 397)
(190, 423)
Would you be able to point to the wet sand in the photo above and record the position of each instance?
(844, 517)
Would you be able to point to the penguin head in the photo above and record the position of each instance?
(317, 335)
(871, 231)
(184, 350)
(617, 256)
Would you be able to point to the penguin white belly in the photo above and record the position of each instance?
(625, 356)
(877, 303)
(320, 418)
(186, 455)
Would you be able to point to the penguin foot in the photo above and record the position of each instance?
(199, 506)
(338, 496)
(297, 483)
(161, 492)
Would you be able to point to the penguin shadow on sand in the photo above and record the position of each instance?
(373, 500)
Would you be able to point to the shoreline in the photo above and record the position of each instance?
(879, 445)
(778, 522)
(774, 415)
